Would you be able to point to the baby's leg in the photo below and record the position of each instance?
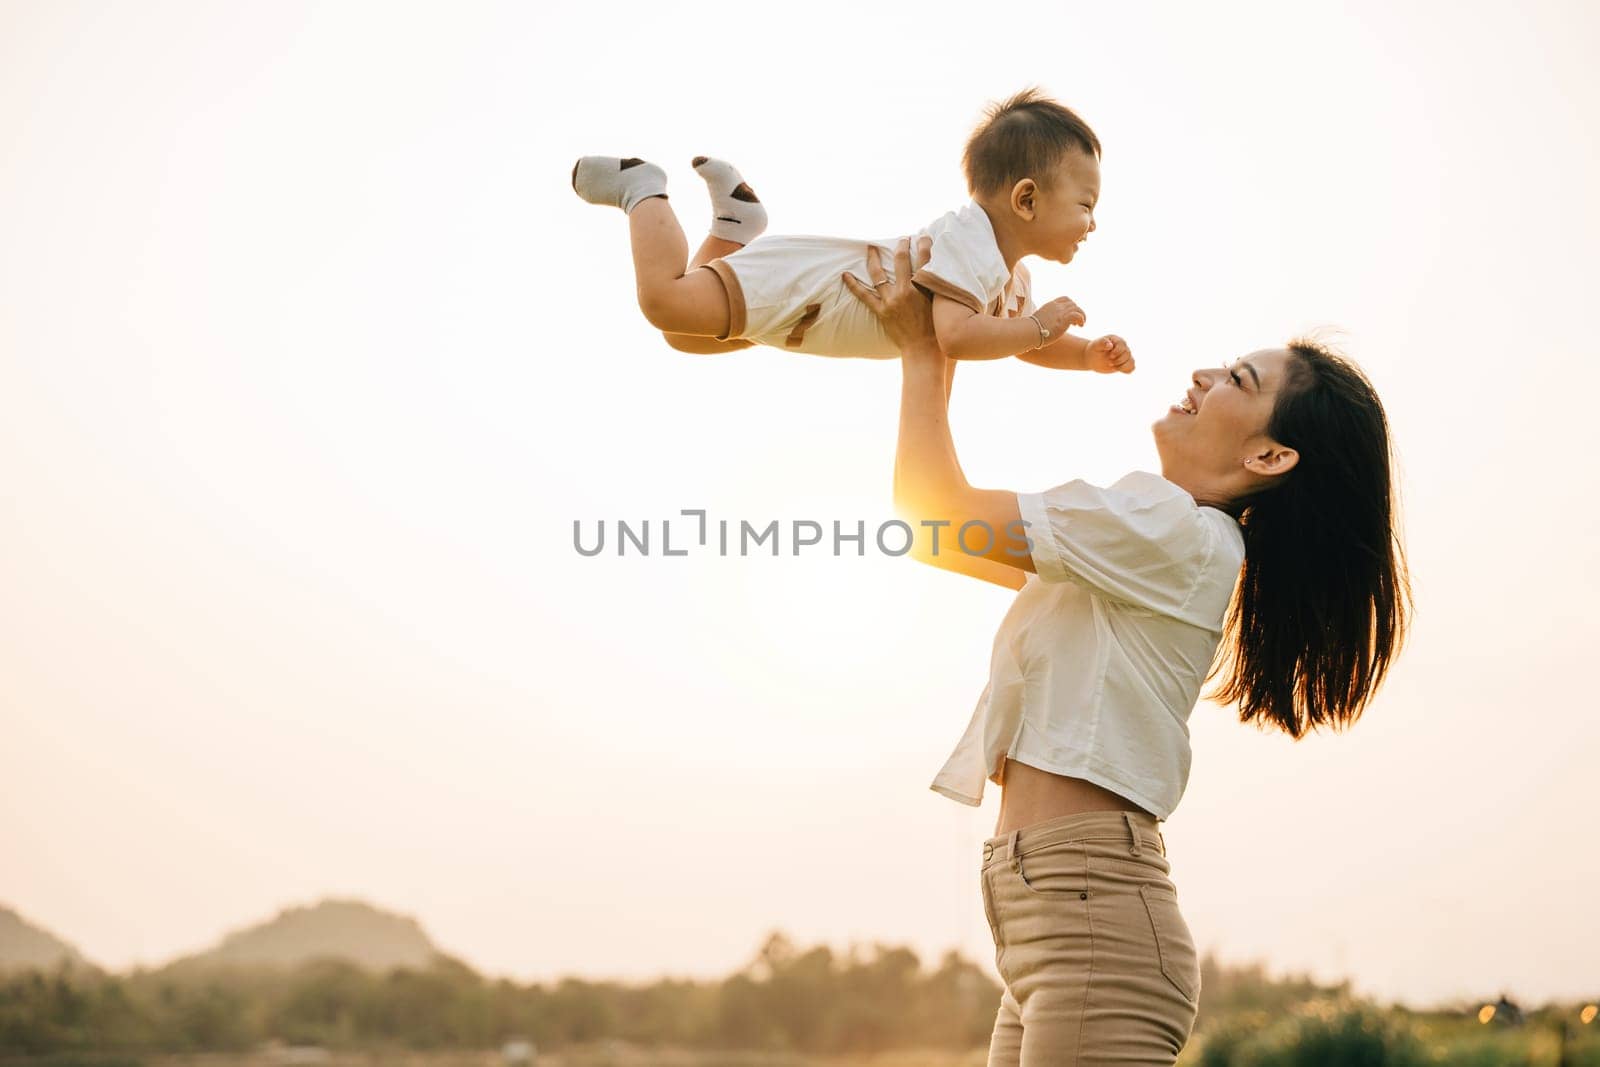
(674, 301)
(712, 248)
(737, 219)
(691, 304)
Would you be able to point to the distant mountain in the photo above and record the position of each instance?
(24, 946)
(350, 930)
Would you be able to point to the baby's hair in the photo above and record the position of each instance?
(1023, 137)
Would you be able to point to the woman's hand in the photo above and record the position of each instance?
(906, 314)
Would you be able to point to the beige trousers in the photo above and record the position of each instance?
(1097, 962)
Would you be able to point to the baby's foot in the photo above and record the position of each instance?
(620, 183)
(736, 214)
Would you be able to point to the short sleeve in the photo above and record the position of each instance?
(1141, 541)
(965, 264)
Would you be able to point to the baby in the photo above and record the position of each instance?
(1033, 170)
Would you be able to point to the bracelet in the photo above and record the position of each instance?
(1044, 334)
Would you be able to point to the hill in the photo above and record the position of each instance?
(351, 930)
(25, 946)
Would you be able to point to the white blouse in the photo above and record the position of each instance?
(1103, 653)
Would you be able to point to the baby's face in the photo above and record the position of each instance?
(1064, 208)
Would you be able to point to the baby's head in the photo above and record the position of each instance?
(1035, 167)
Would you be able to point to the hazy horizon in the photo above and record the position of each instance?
(841, 952)
(310, 358)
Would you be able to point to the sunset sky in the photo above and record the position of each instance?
(310, 359)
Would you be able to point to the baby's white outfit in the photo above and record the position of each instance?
(787, 291)
(1103, 653)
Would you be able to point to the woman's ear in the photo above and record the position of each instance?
(1022, 196)
(1272, 460)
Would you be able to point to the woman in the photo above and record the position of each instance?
(1271, 532)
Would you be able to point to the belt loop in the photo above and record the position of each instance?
(1011, 850)
(1133, 833)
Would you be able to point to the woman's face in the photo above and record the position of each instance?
(1214, 442)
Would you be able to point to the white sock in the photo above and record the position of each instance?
(617, 182)
(736, 214)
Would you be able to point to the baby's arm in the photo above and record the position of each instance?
(1068, 352)
(965, 334)
(1105, 355)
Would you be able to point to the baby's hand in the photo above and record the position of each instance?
(1109, 354)
(1057, 315)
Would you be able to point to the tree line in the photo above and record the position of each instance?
(810, 1000)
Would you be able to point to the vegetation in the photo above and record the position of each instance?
(786, 1000)
(787, 1003)
(1351, 1034)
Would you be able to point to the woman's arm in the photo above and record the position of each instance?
(950, 557)
(931, 492)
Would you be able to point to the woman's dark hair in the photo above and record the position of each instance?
(1023, 137)
(1324, 600)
